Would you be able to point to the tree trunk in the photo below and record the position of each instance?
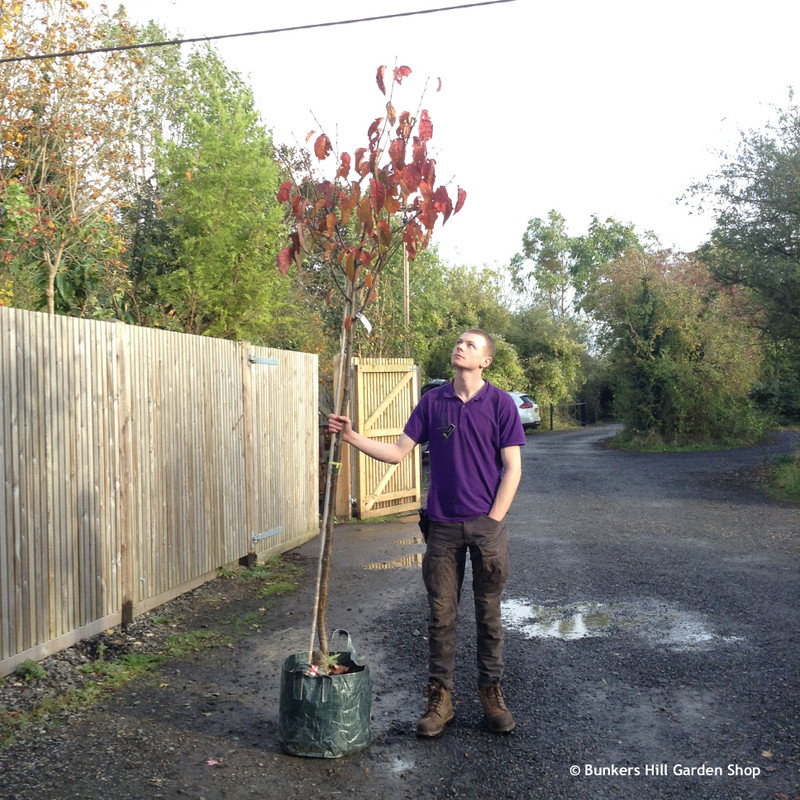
(53, 262)
(321, 656)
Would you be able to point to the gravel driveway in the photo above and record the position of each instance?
(652, 651)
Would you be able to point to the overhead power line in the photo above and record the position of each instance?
(173, 42)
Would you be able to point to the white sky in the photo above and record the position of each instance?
(607, 107)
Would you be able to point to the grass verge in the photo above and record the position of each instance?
(196, 622)
(785, 479)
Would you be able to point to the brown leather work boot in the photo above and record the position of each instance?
(497, 715)
(438, 712)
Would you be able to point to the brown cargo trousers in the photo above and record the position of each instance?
(443, 568)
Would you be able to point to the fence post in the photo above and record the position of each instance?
(551, 416)
(124, 432)
(249, 456)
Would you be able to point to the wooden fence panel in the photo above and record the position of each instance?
(285, 408)
(136, 462)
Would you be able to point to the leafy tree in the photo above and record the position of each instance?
(756, 239)
(557, 270)
(551, 353)
(66, 142)
(382, 197)
(208, 221)
(755, 244)
(683, 362)
(602, 243)
(543, 268)
(451, 300)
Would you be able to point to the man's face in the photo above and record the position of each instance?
(470, 352)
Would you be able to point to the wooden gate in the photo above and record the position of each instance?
(386, 390)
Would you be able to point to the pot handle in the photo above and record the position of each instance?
(341, 632)
(350, 646)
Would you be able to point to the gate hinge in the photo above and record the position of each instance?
(257, 537)
(259, 360)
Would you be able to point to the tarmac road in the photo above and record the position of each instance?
(652, 650)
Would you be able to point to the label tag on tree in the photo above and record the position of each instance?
(365, 322)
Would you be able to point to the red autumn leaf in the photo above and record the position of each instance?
(384, 234)
(283, 192)
(299, 204)
(428, 213)
(360, 152)
(331, 221)
(425, 127)
(439, 87)
(391, 113)
(374, 157)
(412, 175)
(355, 193)
(295, 250)
(405, 126)
(429, 172)
(368, 279)
(379, 79)
(347, 322)
(420, 152)
(462, 196)
(322, 147)
(400, 73)
(284, 260)
(393, 204)
(344, 166)
(374, 131)
(412, 233)
(397, 153)
(309, 135)
(377, 195)
(442, 203)
(365, 217)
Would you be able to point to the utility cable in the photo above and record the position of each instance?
(174, 42)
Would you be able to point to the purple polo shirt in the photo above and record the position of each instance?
(464, 444)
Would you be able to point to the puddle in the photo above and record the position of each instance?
(577, 621)
(657, 623)
(414, 560)
(399, 766)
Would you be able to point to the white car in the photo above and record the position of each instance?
(528, 410)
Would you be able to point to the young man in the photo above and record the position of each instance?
(474, 436)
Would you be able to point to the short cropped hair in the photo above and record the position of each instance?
(490, 346)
